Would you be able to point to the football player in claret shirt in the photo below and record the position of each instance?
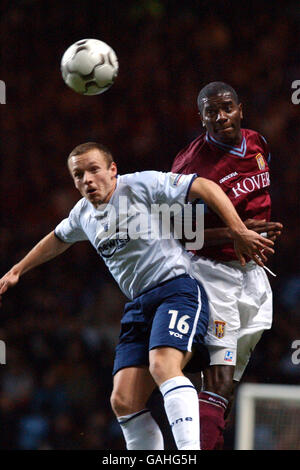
(240, 298)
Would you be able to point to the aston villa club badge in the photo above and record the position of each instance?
(219, 328)
(260, 161)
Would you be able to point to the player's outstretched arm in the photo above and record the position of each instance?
(246, 242)
(48, 248)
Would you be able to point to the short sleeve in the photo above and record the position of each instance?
(266, 148)
(70, 230)
(174, 187)
(159, 187)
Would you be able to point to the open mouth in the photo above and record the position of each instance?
(91, 190)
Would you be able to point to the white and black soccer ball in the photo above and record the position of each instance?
(89, 66)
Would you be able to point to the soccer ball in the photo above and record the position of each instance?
(89, 66)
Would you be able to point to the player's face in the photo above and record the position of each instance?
(92, 177)
(221, 116)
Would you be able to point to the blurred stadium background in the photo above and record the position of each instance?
(61, 323)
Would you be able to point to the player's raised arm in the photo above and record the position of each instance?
(247, 242)
(49, 247)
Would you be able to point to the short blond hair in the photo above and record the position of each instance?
(87, 146)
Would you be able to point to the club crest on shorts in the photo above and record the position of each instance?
(219, 328)
(260, 161)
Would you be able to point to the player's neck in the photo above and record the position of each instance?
(235, 142)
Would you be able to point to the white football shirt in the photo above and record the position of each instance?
(136, 246)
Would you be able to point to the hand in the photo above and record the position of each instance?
(272, 229)
(253, 245)
(8, 280)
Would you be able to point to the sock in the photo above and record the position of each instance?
(212, 409)
(182, 408)
(220, 442)
(141, 432)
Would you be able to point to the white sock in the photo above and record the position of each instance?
(182, 408)
(141, 432)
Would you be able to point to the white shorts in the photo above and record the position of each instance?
(240, 301)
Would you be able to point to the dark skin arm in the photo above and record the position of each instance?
(221, 235)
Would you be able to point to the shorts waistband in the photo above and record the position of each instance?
(162, 284)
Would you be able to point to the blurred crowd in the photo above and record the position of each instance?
(61, 323)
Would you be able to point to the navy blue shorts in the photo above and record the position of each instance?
(173, 314)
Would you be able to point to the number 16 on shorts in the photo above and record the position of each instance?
(180, 324)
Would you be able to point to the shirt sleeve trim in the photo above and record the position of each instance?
(189, 187)
(59, 238)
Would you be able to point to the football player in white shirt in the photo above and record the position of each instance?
(166, 318)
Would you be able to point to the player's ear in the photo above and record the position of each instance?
(113, 168)
(241, 110)
(201, 118)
